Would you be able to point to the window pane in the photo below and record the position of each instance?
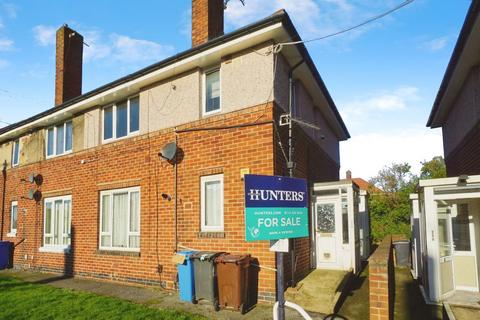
(14, 217)
(134, 242)
(213, 202)
(461, 229)
(60, 140)
(67, 214)
(68, 136)
(134, 212)
(120, 215)
(121, 119)
(212, 94)
(57, 229)
(134, 114)
(107, 123)
(48, 218)
(106, 213)
(16, 151)
(345, 220)
(326, 218)
(50, 141)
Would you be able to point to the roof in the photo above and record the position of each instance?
(280, 16)
(367, 186)
(455, 73)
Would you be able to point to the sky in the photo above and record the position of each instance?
(383, 77)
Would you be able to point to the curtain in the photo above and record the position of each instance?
(106, 239)
(213, 201)
(14, 217)
(57, 224)
(48, 222)
(67, 221)
(120, 216)
(134, 220)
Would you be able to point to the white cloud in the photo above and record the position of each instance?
(436, 44)
(384, 101)
(6, 44)
(127, 49)
(313, 18)
(44, 35)
(366, 154)
(115, 47)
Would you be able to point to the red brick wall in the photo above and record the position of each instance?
(135, 162)
(382, 281)
(465, 158)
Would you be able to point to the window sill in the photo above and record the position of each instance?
(211, 235)
(118, 253)
(59, 155)
(55, 249)
(112, 140)
(11, 235)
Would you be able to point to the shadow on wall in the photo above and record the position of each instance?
(68, 262)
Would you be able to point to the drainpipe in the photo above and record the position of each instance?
(4, 174)
(290, 166)
(175, 189)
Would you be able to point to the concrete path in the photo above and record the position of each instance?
(319, 291)
(152, 297)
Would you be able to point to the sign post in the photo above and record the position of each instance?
(276, 209)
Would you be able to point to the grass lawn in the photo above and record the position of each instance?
(22, 300)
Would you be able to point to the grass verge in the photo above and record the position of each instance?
(23, 300)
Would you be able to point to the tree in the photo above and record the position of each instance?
(433, 169)
(390, 210)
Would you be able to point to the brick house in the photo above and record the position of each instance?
(457, 106)
(104, 204)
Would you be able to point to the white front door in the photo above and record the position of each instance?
(328, 233)
(445, 247)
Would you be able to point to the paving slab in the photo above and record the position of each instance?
(152, 297)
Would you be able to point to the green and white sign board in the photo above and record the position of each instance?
(275, 208)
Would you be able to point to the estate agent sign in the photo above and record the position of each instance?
(275, 208)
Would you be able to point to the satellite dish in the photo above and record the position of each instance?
(169, 151)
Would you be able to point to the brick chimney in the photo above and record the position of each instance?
(207, 20)
(349, 175)
(69, 55)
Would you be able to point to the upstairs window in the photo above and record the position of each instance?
(121, 119)
(59, 139)
(211, 103)
(15, 153)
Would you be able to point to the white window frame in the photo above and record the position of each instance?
(55, 140)
(129, 233)
(56, 248)
(16, 142)
(203, 181)
(204, 91)
(114, 120)
(13, 232)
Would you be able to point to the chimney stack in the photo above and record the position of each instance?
(69, 56)
(349, 175)
(207, 20)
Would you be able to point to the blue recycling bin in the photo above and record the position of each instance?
(6, 254)
(185, 278)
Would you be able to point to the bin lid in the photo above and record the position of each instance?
(232, 258)
(206, 255)
(187, 253)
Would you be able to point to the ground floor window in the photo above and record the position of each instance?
(57, 221)
(13, 218)
(211, 202)
(120, 219)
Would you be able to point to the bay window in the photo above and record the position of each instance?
(121, 119)
(120, 219)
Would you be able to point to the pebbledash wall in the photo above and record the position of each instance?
(173, 103)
